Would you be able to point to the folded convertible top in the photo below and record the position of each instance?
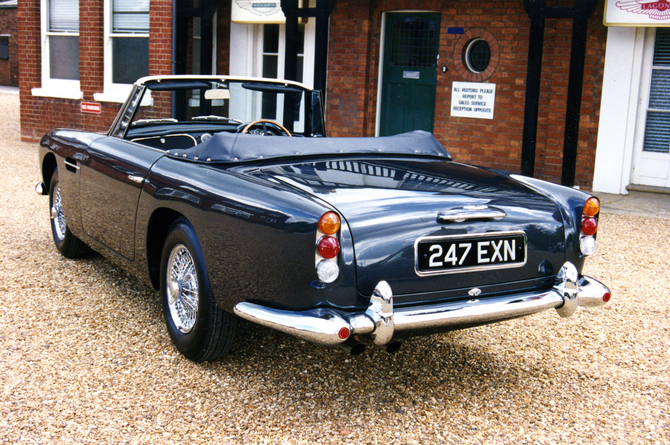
(237, 147)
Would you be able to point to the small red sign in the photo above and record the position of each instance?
(91, 107)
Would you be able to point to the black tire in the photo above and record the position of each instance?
(201, 330)
(67, 244)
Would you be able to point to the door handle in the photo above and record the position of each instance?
(137, 179)
(71, 165)
(460, 214)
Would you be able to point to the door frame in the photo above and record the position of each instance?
(639, 155)
(380, 73)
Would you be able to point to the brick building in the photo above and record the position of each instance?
(461, 42)
(9, 46)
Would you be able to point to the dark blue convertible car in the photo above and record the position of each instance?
(225, 194)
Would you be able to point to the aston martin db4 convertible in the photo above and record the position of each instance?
(224, 194)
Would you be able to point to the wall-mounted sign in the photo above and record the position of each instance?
(471, 99)
(654, 13)
(257, 11)
(91, 107)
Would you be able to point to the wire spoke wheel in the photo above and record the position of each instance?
(67, 244)
(198, 327)
(182, 284)
(57, 215)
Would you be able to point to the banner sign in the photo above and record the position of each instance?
(257, 11)
(637, 13)
(475, 100)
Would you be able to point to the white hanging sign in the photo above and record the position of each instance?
(637, 13)
(471, 99)
(257, 11)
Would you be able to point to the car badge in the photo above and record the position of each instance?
(475, 292)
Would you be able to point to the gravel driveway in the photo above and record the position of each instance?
(84, 357)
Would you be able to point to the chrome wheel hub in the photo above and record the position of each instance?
(182, 288)
(57, 216)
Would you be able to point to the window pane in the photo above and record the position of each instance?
(657, 135)
(64, 57)
(130, 59)
(657, 130)
(130, 16)
(4, 47)
(64, 16)
(415, 42)
(662, 48)
(271, 38)
(659, 97)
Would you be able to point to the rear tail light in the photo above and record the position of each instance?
(329, 223)
(327, 271)
(592, 206)
(328, 248)
(589, 227)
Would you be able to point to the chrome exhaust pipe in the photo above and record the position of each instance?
(393, 346)
(352, 347)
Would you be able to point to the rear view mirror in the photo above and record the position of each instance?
(218, 94)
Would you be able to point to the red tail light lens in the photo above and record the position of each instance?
(344, 333)
(328, 247)
(591, 206)
(329, 223)
(589, 226)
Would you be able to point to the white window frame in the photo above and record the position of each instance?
(246, 51)
(58, 88)
(113, 92)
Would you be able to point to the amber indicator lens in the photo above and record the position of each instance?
(591, 206)
(329, 223)
(589, 226)
(329, 247)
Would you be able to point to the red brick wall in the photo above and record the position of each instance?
(9, 68)
(353, 81)
(353, 77)
(40, 114)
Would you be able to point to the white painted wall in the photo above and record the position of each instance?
(618, 109)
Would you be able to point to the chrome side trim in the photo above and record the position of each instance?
(136, 179)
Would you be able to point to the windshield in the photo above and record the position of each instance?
(220, 105)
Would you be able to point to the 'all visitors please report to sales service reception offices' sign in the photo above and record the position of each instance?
(471, 99)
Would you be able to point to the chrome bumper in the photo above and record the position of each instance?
(380, 322)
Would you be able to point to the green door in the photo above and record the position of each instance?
(409, 76)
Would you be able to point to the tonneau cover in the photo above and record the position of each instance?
(237, 147)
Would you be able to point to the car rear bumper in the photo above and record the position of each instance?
(381, 321)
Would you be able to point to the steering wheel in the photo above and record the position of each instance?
(264, 128)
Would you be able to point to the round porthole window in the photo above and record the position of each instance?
(476, 55)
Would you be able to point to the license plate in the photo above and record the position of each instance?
(439, 255)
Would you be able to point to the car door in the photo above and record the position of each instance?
(112, 176)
